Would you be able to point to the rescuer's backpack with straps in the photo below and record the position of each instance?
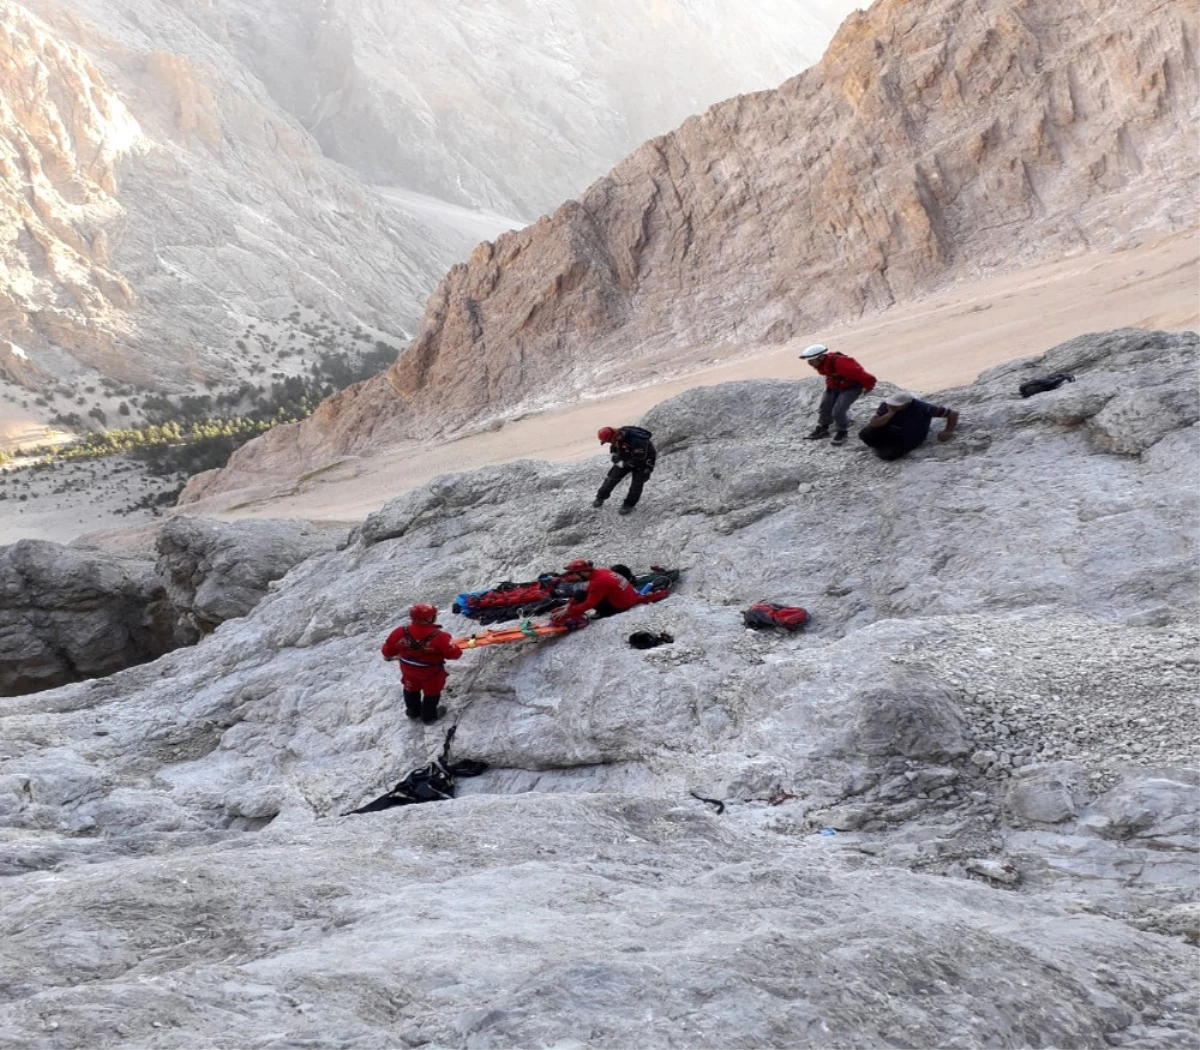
(763, 615)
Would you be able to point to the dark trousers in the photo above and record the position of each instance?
(834, 406)
(616, 475)
(421, 705)
(605, 608)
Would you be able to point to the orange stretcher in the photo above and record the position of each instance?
(522, 632)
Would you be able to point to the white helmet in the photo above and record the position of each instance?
(816, 350)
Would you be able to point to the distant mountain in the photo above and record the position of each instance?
(184, 185)
(931, 143)
(154, 202)
(513, 105)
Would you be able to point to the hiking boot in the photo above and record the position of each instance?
(597, 503)
(839, 438)
(817, 433)
(625, 509)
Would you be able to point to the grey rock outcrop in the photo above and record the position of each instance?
(177, 858)
(927, 146)
(214, 571)
(911, 718)
(1046, 793)
(67, 614)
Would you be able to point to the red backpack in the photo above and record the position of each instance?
(762, 615)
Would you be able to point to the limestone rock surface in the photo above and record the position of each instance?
(216, 571)
(178, 870)
(931, 143)
(71, 613)
(67, 614)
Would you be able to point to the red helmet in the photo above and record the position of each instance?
(606, 435)
(579, 565)
(422, 613)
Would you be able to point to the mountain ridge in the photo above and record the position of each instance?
(234, 206)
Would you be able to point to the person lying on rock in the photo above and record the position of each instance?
(901, 423)
(845, 382)
(609, 591)
(632, 453)
(422, 649)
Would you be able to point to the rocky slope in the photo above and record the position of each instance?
(66, 615)
(154, 200)
(930, 143)
(171, 173)
(69, 614)
(994, 703)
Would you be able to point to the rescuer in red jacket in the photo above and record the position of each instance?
(422, 649)
(845, 382)
(609, 591)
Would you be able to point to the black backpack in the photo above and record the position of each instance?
(636, 441)
(650, 639)
(431, 783)
(1044, 383)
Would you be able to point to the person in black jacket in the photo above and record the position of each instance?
(632, 453)
(901, 423)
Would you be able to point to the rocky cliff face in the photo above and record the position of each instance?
(930, 143)
(515, 105)
(153, 200)
(63, 133)
(173, 172)
(992, 708)
(69, 614)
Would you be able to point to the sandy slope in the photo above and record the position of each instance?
(929, 345)
(481, 224)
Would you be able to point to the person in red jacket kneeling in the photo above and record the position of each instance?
(845, 382)
(609, 591)
(422, 649)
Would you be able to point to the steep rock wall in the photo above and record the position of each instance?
(154, 199)
(63, 133)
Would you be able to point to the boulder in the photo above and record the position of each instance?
(1045, 793)
(1148, 807)
(215, 571)
(911, 716)
(67, 614)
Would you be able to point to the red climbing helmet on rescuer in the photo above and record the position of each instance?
(422, 613)
(606, 435)
(579, 565)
